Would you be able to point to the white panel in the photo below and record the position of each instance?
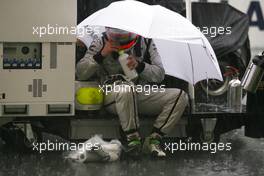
(18, 18)
(1, 56)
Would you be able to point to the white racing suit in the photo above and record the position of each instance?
(168, 104)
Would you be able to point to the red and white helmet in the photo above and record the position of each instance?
(122, 39)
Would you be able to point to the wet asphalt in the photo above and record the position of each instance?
(246, 158)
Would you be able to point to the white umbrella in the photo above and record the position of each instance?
(184, 50)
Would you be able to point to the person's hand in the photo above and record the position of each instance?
(132, 62)
(108, 49)
(80, 43)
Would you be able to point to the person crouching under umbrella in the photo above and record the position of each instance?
(168, 105)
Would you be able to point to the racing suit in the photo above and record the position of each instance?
(168, 105)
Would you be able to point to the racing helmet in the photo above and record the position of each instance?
(88, 95)
(122, 39)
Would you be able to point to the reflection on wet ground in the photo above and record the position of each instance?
(202, 108)
(245, 158)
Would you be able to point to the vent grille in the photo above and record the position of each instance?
(37, 88)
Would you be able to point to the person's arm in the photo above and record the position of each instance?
(96, 53)
(88, 65)
(153, 72)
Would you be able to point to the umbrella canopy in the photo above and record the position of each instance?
(184, 50)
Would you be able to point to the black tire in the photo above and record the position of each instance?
(15, 139)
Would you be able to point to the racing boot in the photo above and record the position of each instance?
(133, 146)
(152, 145)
